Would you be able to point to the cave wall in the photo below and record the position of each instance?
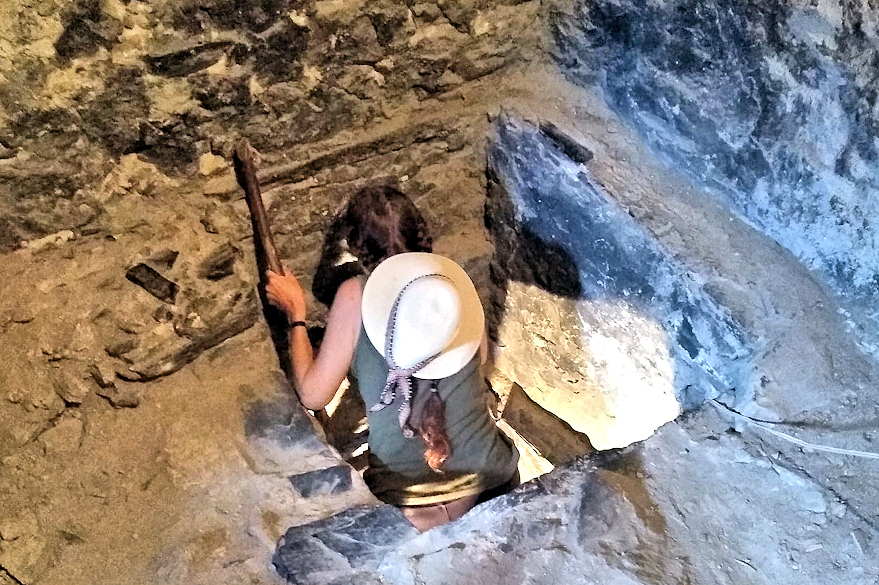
(597, 322)
(193, 477)
(773, 105)
(86, 82)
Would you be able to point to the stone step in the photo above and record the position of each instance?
(281, 438)
(347, 546)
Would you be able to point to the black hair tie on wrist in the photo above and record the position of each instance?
(298, 324)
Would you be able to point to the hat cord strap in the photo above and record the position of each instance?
(401, 378)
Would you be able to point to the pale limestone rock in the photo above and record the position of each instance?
(27, 558)
(70, 388)
(311, 76)
(298, 18)
(169, 98)
(64, 437)
(385, 66)
(256, 89)
(132, 176)
(609, 334)
(52, 240)
(338, 10)
(362, 81)
(42, 394)
(210, 163)
(617, 393)
(219, 68)
(480, 25)
(437, 39)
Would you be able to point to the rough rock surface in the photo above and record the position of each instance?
(177, 83)
(643, 341)
(344, 546)
(770, 104)
(110, 114)
(332, 480)
(605, 518)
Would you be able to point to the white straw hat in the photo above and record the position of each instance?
(439, 312)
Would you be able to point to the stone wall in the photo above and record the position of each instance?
(84, 82)
(773, 105)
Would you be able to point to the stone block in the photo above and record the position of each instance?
(552, 437)
(323, 482)
(335, 548)
(597, 323)
(64, 437)
(152, 282)
(103, 374)
(560, 528)
(70, 388)
(281, 437)
(125, 397)
(220, 262)
(121, 347)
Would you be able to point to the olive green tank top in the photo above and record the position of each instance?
(481, 457)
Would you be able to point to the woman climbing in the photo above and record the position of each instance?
(410, 330)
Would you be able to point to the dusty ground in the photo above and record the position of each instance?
(169, 491)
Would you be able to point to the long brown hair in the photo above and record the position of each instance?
(379, 222)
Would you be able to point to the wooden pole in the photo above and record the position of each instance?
(245, 172)
(267, 257)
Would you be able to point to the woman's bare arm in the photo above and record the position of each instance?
(317, 378)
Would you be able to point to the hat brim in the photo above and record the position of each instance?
(386, 282)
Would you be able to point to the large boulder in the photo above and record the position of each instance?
(593, 318)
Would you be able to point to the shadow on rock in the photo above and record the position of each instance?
(554, 227)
